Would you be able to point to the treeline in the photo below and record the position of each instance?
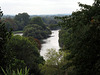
(19, 21)
(51, 22)
(36, 26)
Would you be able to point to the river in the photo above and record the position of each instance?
(19, 34)
(51, 42)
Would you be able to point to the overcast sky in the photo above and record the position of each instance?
(41, 7)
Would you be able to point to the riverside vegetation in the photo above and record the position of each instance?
(17, 52)
(79, 38)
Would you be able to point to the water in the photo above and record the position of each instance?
(19, 34)
(51, 42)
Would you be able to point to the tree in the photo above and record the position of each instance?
(52, 22)
(38, 21)
(54, 26)
(82, 39)
(36, 31)
(54, 63)
(10, 24)
(4, 38)
(22, 19)
(25, 53)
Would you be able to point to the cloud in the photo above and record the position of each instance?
(41, 6)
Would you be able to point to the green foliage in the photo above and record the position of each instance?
(18, 72)
(23, 52)
(18, 51)
(54, 63)
(18, 22)
(80, 35)
(36, 31)
(11, 24)
(16, 63)
(38, 21)
(35, 42)
(22, 20)
(22, 17)
(49, 20)
(15, 32)
(53, 26)
(4, 38)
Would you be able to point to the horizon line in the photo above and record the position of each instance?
(33, 14)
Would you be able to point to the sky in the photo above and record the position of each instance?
(41, 7)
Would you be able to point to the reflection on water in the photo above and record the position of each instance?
(51, 42)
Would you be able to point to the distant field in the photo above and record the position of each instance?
(17, 32)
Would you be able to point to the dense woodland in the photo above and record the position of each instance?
(79, 38)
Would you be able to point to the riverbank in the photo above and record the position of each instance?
(16, 32)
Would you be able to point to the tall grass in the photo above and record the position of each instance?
(18, 72)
